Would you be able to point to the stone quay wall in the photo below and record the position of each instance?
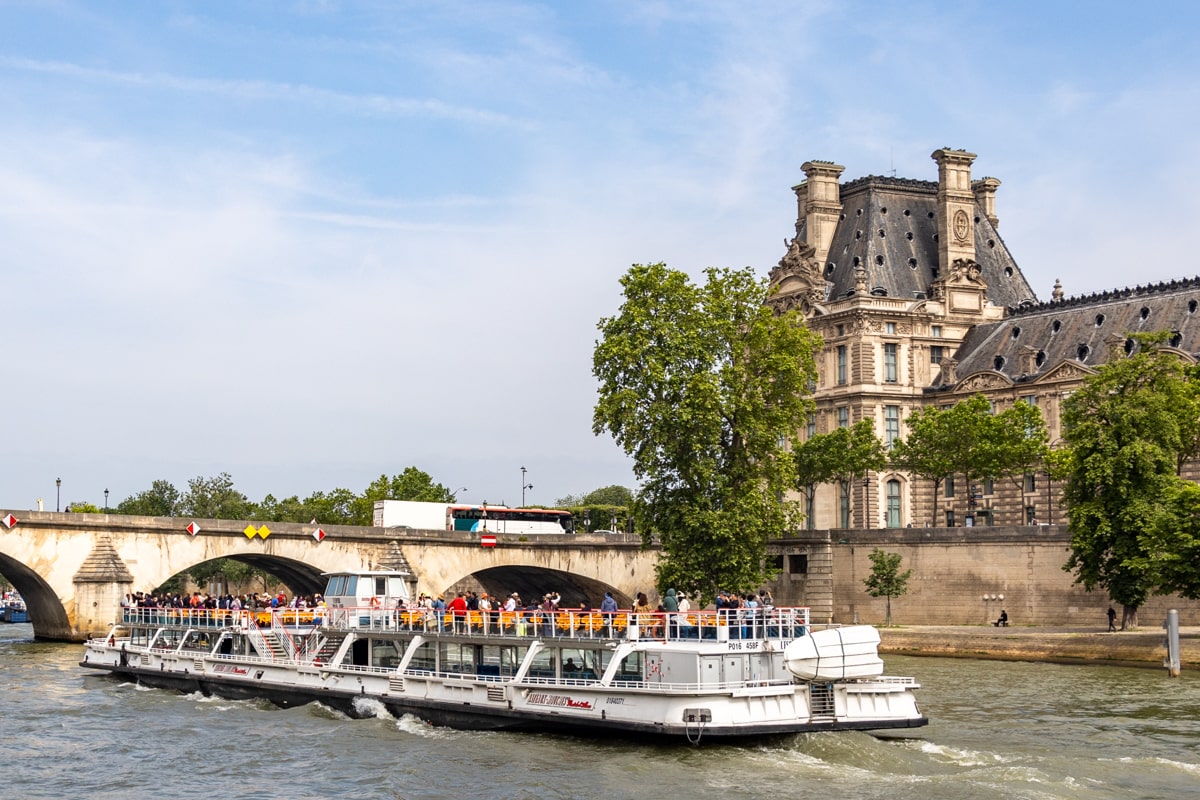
(958, 576)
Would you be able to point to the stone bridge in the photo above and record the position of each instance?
(74, 569)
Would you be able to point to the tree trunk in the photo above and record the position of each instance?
(1129, 619)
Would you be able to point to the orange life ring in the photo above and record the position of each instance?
(374, 602)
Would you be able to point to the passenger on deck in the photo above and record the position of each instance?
(570, 666)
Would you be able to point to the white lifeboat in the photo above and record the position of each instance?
(835, 654)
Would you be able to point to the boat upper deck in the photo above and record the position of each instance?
(777, 623)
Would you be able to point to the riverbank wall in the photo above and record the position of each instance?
(960, 576)
(1144, 647)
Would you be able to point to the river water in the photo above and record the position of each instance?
(998, 730)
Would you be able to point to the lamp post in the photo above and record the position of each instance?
(867, 501)
(58, 494)
(524, 486)
(106, 501)
(1049, 503)
(456, 491)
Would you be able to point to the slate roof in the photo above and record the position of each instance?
(890, 226)
(1076, 328)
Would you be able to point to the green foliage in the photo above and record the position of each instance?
(970, 440)
(608, 496)
(1130, 427)
(705, 387)
(411, 484)
(214, 498)
(81, 507)
(1173, 541)
(885, 579)
(842, 455)
(162, 499)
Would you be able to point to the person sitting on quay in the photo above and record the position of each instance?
(1002, 622)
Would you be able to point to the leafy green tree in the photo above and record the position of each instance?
(1174, 541)
(82, 507)
(886, 579)
(162, 499)
(705, 387)
(214, 498)
(818, 461)
(1129, 427)
(970, 440)
(840, 456)
(608, 496)
(335, 507)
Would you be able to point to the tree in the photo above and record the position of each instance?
(843, 455)
(82, 507)
(608, 496)
(411, 484)
(705, 388)
(1174, 541)
(969, 439)
(1129, 428)
(162, 499)
(885, 579)
(214, 498)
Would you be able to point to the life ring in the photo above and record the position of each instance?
(374, 602)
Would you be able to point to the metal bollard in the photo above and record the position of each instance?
(1171, 662)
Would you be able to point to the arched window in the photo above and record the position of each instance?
(893, 503)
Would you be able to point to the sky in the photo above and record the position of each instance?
(310, 243)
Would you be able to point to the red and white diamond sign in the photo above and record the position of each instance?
(9, 521)
(319, 535)
(193, 528)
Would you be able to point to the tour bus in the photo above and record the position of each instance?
(465, 517)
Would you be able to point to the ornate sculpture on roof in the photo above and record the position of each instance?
(799, 274)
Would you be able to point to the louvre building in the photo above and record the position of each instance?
(920, 303)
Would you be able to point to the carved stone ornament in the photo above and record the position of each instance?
(962, 225)
(977, 383)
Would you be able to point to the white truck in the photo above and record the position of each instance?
(411, 514)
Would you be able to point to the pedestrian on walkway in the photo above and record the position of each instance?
(1112, 620)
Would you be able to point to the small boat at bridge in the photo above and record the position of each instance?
(707, 675)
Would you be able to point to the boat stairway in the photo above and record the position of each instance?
(329, 645)
(820, 701)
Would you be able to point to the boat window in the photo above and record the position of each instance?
(334, 589)
(457, 657)
(543, 664)
(380, 585)
(500, 660)
(384, 654)
(632, 668)
(351, 587)
(425, 658)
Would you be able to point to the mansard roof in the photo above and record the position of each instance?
(1081, 329)
(889, 225)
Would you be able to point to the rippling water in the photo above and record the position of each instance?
(998, 730)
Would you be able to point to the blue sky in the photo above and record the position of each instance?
(308, 243)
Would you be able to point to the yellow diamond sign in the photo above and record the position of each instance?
(250, 531)
(264, 531)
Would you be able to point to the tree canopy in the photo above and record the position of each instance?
(842, 455)
(1130, 427)
(969, 439)
(705, 387)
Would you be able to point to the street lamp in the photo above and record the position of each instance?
(867, 497)
(106, 501)
(524, 486)
(58, 494)
(456, 491)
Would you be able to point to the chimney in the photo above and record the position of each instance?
(985, 196)
(956, 208)
(819, 204)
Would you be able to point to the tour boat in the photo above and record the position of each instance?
(711, 675)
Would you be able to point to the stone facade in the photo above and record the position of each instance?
(919, 303)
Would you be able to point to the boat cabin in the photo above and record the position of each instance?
(367, 590)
